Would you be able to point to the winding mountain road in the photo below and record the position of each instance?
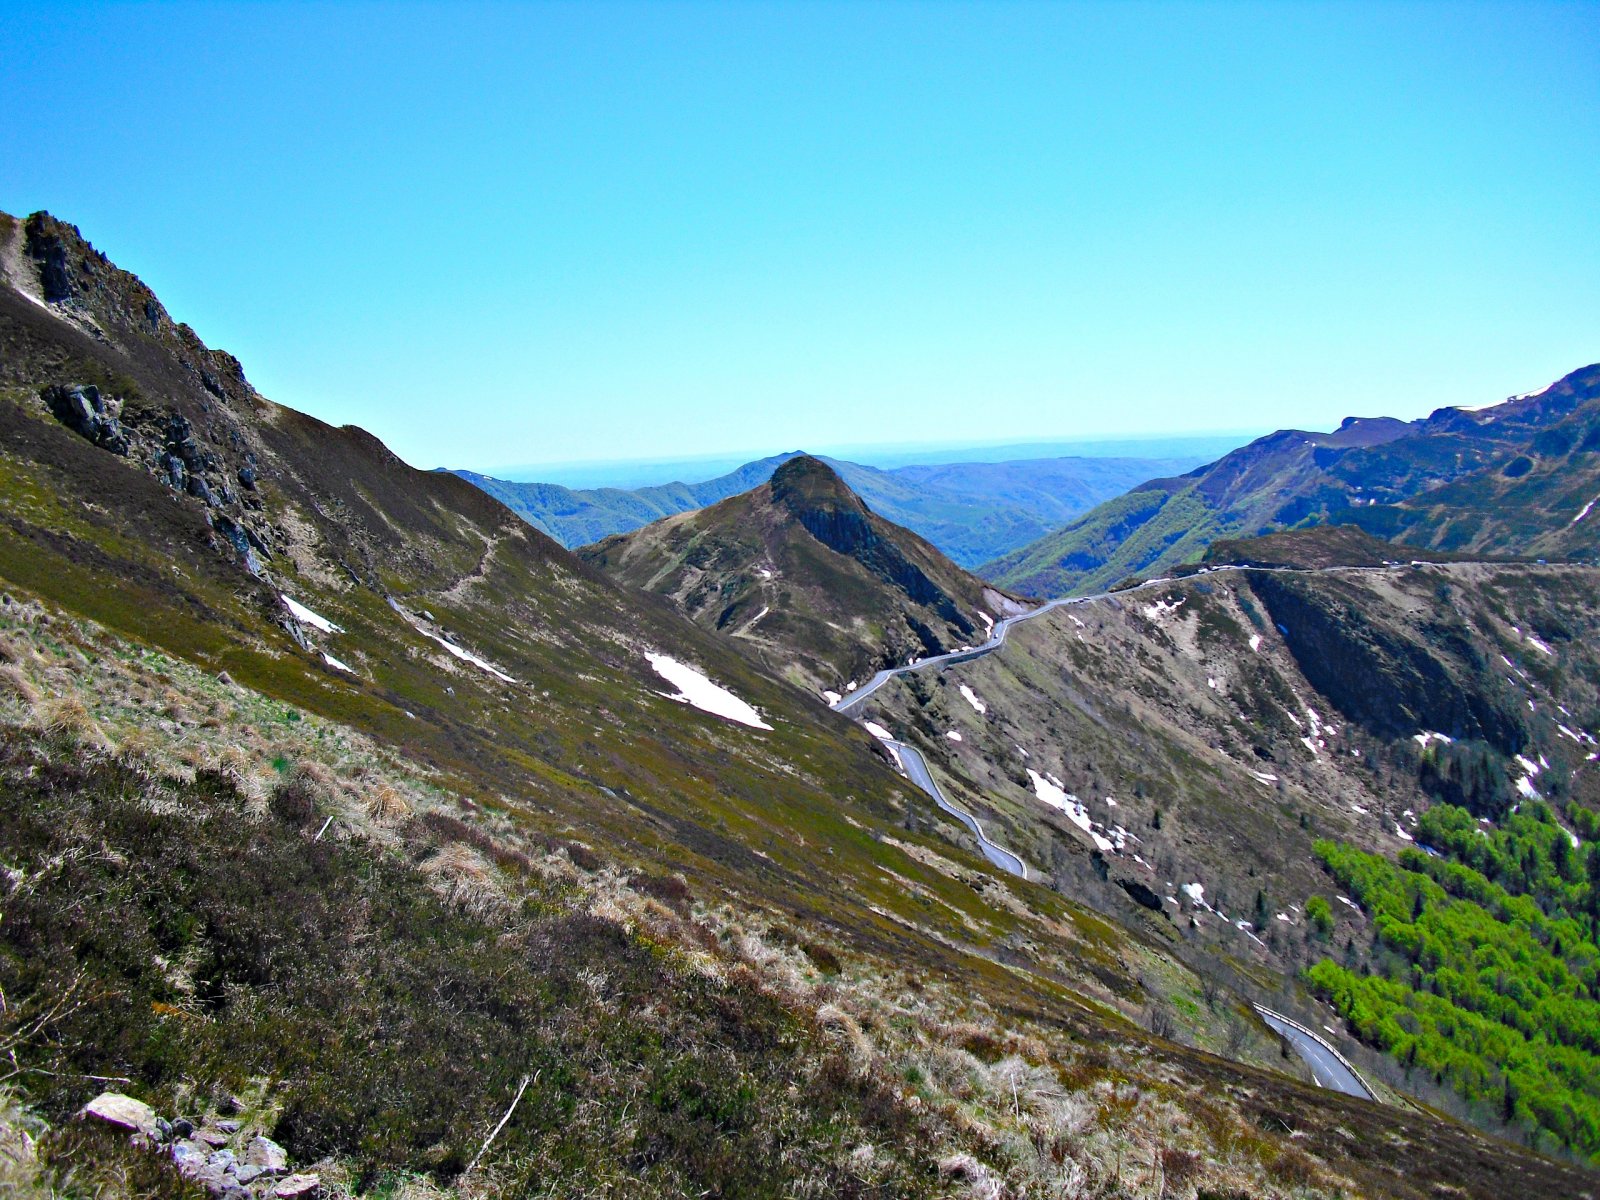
(917, 768)
(1328, 1067)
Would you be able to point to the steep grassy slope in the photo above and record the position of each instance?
(243, 907)
(970, 511)
(807, 580)
(474, 708)
(1512, 479)
(1207, 731)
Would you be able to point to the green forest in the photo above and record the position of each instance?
(1484, 971)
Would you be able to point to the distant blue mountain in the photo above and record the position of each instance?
(973, 511)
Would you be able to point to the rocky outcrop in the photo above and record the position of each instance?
(82, 409)
(218, 1153)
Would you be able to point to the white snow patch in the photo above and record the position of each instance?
(953, 736)
(306, 616)
(1196, 893)
(1162, 609)
(1263, 776)
(1358, 810)
(1426, 739)
(764, 573)
(1537, 644)
(1310, 745)
(1347, 901)
(1050, 791)
(1402, 834)
(765, 609)
(851, 686)
(336, 664)
(1212, 684)
(1110, 803)
(696, 690)
(1525, 786)
(988, 621)
(1255, 641)
(1528, 765)
(878, 731)
(468, 656)
(973, 700)
(1285, 918)
(1021, 751)
(1583, 512)
(831, 697)
(1073, 618)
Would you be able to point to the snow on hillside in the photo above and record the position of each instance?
(696, 690)
(468, 657)
(1050, 792)
(307, 616)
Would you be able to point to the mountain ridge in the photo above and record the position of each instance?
(970, 510)
(1480, 479)
(806, 578)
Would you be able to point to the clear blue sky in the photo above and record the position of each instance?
(541, 232)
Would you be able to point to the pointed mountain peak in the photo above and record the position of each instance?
(805, 484)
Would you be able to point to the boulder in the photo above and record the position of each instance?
(265, 1153)
(124, 1112)
(299, 1187)
(190, 1156)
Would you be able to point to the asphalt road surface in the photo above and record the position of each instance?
(1326, 1068)
(917, 768)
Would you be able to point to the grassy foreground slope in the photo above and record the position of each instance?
(233, 904)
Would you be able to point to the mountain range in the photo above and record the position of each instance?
(355, 828)
(1514, 477)
(971, 511)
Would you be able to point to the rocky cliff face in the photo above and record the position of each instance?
(179, 410)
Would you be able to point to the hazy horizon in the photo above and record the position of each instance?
(579, 232)
(647, 472)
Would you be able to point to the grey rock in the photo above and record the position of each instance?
(82, 409)
(299, 1187)
(124, 1112)
(248, 1174)
(228, 1126)
(190, 1156)
(221, 1158)
(265, 1153)
(182, 1127)
(211, 1136)
(214, 1179)
(247, 479)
